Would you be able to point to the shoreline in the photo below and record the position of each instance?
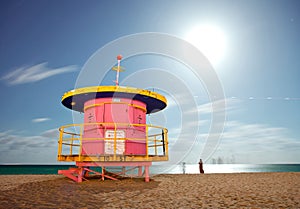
(175, 169)
(220, 190)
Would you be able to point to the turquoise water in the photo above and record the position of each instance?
(176, 169)
(32, 169)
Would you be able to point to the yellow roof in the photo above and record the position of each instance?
(76, 98)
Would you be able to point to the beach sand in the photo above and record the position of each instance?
(244, 190)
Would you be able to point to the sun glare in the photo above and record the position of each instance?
(210, 40)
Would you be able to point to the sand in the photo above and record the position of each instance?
(245, 190)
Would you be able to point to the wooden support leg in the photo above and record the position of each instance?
(69, 174)
(147, 178)
(85, 173)
(80, 174)
(103, 173)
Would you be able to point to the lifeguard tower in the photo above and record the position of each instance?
(114, 132)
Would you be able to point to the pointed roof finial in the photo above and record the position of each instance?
(118, 69)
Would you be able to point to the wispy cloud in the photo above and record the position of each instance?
(244, 142)
(226, 104)
(40, 120)
(35, 73)
(10, 138)
(52, 133)
(258, 143)
(40, 148)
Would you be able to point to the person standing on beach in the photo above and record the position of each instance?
(201, 166)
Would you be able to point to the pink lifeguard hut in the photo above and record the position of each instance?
(114, 132)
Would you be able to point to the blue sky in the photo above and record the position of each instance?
(44, 45)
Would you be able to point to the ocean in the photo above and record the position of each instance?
(176, 169)
(234, 168)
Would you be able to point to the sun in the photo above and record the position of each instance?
(210, 40)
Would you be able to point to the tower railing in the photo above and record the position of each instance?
(73, 137)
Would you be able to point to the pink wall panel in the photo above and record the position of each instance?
(114, 110)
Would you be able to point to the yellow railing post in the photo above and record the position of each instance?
(155, 148)
(147, 143)
(80, 141)
(60, 141)
(166, 141)
(71, 144)
(115, 142)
